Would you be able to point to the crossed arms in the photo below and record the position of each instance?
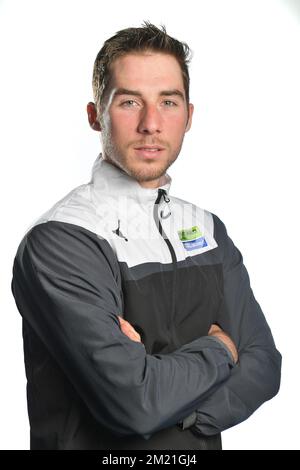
(67, 285)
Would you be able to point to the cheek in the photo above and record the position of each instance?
(175, 127)
(122, 126)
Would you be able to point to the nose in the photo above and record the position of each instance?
(150, 120)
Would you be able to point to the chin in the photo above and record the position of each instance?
(147, 171)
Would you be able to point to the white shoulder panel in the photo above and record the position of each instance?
(74, 208)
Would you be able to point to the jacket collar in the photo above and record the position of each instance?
(109, 180)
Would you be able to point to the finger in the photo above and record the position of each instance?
(132, 335)
(127, 329)
(124, 322)
(130, 331)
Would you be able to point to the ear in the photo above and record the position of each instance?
(189, 121)
(92, 116)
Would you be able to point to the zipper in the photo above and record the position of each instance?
(163, 193)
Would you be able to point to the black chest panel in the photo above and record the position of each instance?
(149, 308)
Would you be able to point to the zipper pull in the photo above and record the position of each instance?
(163, 192)
(166, 198)
(160, 193)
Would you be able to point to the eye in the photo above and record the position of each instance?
(128, 103)
(170, 103)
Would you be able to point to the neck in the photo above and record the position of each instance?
(154, 183)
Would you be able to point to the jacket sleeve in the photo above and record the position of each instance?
(67, 284)
(256, 377)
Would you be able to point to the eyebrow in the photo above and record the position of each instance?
(125, 91)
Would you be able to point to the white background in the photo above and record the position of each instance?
(239, 160)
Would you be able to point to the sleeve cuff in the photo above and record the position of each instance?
(188, 421)
(214, 338)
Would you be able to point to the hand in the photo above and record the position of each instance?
(216, 331)
(129, 331)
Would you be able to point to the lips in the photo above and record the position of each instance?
(148, 152)
(150, 148)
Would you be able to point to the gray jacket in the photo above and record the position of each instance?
(109, 248)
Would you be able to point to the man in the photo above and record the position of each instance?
(140, 327)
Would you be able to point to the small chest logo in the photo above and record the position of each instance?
(118, 232)
(192, 238)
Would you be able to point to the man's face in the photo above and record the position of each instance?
(145, 106)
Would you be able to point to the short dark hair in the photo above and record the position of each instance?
(146, 38)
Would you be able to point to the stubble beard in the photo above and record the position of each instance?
(148, 171)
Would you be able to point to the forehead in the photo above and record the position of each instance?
(146, 69)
